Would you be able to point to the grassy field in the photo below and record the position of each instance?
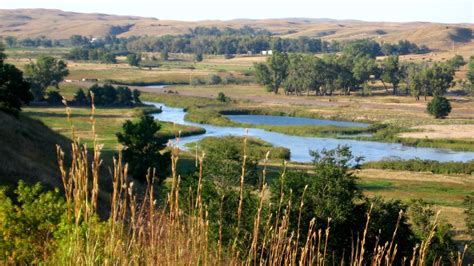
(445, 192)
(108, 122)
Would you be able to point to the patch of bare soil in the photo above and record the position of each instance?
(442, 132)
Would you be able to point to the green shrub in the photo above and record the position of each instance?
(439, 107)
(214, 79)
(29, 223)
(419, 165)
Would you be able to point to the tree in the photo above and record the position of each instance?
(391, 72)
(301, 74)
(413, 79)
(124, 96)
(54, 97)
(456, 62)
(221, 97)
(142, 148)
(469, 219)
(440, 78)
(331, 193)
(470, 71)
(10, 41)
(274, 72)
(364, 68)
(442, 244)
(134, 59)
(47, 71)
(29, 223)
(14, 90)
(362, 48)
(439, 107)
(136, 96)
(214, 79)
(164, 54)
(198, 57)
(80, 97)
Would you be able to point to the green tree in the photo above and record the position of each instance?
(214, 79)
(47, 71)
(14, 90)
(470, 70)
(391, 72)
(54, 97)
(439, 79)
(164, 54)
(124, 96)
(198, 57)
(143, 149)
(331, 193)
(11, 41)
(301, 74)
(29, 223)
(442, 245)
(364, 68)
(224, 160)
(456, 62)
(221, 97)
(134, 59)
(136, 96)
(469, 219)
(439, 107)
(80, 97)
(274, 72)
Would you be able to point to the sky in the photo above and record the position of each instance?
(446, 11)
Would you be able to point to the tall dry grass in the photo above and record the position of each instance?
(139, 232)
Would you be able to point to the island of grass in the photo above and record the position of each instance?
(255, 148)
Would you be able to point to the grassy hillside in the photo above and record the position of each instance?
(28, 150)
(58, 24)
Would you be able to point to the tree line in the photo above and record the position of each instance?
(353, 70)
(202, 40)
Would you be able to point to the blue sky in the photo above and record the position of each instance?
(448, 11)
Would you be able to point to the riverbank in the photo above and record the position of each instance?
(204, 110)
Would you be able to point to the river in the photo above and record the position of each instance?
(300, 146)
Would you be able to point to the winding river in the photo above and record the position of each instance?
(300, 146)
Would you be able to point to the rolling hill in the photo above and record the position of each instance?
(28, 149)
(57, 24)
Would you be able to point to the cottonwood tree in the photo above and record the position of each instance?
(391, 72)
(143, 149)
(134, 59)
(46, 71)
(301, 74)
(274, 72)
(14, 90)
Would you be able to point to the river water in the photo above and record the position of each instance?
(300, 146)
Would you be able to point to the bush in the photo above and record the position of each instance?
(198, 57)
(439, 107)
(418, 165)
(229, 80)
(54, 97)
(195, 81)
(29, 223)
(214, 79)
(222, 98)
